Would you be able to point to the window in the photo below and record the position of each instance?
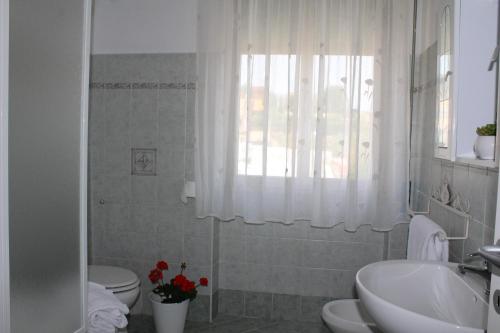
(279, 131)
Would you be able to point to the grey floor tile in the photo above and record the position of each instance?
(231, 324)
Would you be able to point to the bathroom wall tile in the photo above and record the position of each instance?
(316, 282)
(319, 233)
(172, 104)
(138, 246)
(343, 284)
(231, 302)
(491, 198)
(197, 250)
(233, 276)
(472, 244)
(398, 237)
(171, 247)
(112, 189)
(457, 250)
(97, 117)
(477, 185)
(256, 230)
(194, 226)
(117, 158)
(231, 228)
(288, 252)
(311, 307)
(199, 309)
(171, 162)
(169, 189)
(215, 305)
(258, 305)
(457, 225)
(144, 189)
(131, 68)
(258, 250)
(461, 181)
(436, 172)
(173, 68)
(98, 67)
(172, 130)
(318, 254)
(171, 218)
(144, 118)
(488, 236)
(143, 218)
(215, 278)
(147, 308)
(259, 278)
(286, 280)
(190, 67)
(441, 216)
(117, 217)
(364, 234)
(216, 241)
(352, 256)
(285, 307)
(476, 230)
(446, 172)
(454, 259)
(97, 158)
(117, 115)
(395, 254)
(232, 250)
(190, 165)
(296, 231)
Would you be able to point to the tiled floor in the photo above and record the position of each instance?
(230, 324)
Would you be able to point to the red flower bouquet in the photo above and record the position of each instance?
(180, 287)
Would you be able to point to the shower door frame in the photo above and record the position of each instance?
(4, 204)
(84, 126)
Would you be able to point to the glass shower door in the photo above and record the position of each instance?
(48, 86)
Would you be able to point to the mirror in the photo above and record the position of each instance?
(444, 94)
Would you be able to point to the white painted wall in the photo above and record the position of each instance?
(144, 26)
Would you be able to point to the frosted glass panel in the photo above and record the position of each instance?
(44, 156)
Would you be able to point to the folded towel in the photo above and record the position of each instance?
(426, 240)
(105, 312)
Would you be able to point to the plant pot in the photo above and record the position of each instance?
(484, 147)
(169, 317)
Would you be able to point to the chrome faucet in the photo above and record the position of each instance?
(491, 255)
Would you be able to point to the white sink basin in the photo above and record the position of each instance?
(415, 297)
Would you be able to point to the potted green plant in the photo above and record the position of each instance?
(171, 300)
(484, 147)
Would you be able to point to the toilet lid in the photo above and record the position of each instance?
(112, 277)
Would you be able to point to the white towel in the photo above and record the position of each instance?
(105, 312)
(426, 240)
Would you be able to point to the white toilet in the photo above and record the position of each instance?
(348, 316)
(122, 282)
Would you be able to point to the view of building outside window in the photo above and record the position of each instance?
(341, 96)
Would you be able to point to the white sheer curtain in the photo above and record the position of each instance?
(302, 111)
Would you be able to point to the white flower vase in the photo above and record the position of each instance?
(484, 147)
(169, 317)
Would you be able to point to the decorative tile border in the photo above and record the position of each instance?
(142, 85)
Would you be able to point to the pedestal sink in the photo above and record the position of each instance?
(405, 296)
